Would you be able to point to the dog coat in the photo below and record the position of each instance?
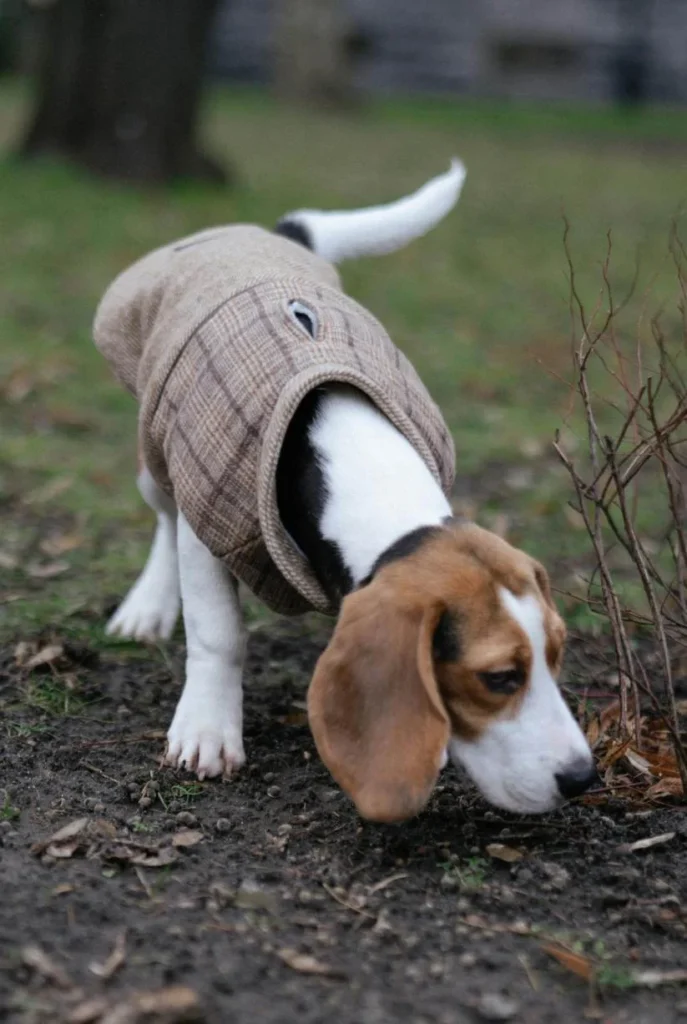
(204, 334)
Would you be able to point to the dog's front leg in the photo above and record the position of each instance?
(206, 733)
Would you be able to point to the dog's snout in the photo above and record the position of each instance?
(576, 778)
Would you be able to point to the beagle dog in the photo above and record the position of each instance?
(447, 644)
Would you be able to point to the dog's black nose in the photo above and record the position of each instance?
(577, 778)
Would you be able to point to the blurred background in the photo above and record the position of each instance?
(127, 123)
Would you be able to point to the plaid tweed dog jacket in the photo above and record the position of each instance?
(203, 334)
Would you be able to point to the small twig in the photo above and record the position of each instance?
(344, 903)
(531, 976)
(92, 768)
(145, 884)
(151, 734)
(378, 886)
(640, 561)
(611, 602)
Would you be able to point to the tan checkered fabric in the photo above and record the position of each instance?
(201, 332)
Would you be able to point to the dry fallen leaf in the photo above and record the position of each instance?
(670, 786)
(46, 656)
(593, 731)
(67, 832)
(63, 851)
(613, 754)
(39, 961)
(114, 961)
(146, 858)
(187, 837)
(304, 963)
(177, 1002)
(646, 844)
(24, 650)
(98, 838)
(638, 761)
(576, 963)
(499, 851)
(60, 544)
(45, 570)
(174, 1005)
(62, 890)
(102, 827)
(88, 1012)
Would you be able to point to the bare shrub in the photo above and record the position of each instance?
(630, 484)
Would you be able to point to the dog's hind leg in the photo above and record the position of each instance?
(151, 608)
(206, 733)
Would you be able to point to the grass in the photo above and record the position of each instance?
(468, 875)
(185, 793)
(52, 698)
(480, 306)
(7, 811)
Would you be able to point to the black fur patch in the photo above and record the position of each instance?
(445, 642)
(406, 545)
(296, 232)
(301, 495)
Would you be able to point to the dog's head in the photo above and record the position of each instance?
(454, 648)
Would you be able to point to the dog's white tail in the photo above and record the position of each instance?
(344, 234)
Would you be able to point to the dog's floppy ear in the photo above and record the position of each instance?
(542, 578)
(375, 710)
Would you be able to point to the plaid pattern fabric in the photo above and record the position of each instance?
(202, 333)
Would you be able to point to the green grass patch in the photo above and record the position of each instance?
(468, 874)
(7, 811)
(184, 793)
(53, 698)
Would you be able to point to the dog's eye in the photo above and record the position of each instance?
(508, 681)
(304, 316)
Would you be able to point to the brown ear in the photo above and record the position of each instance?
(542, 578)
(375, 711)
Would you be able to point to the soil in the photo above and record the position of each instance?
(284, 906)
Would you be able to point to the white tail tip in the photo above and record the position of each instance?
(345, 234)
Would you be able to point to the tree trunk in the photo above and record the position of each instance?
(119, 85)
(313, 52)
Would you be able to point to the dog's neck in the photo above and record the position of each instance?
(351, 488)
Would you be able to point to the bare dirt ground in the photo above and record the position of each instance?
(265, 899)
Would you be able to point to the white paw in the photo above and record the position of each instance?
(147, 613)
(206, 738)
